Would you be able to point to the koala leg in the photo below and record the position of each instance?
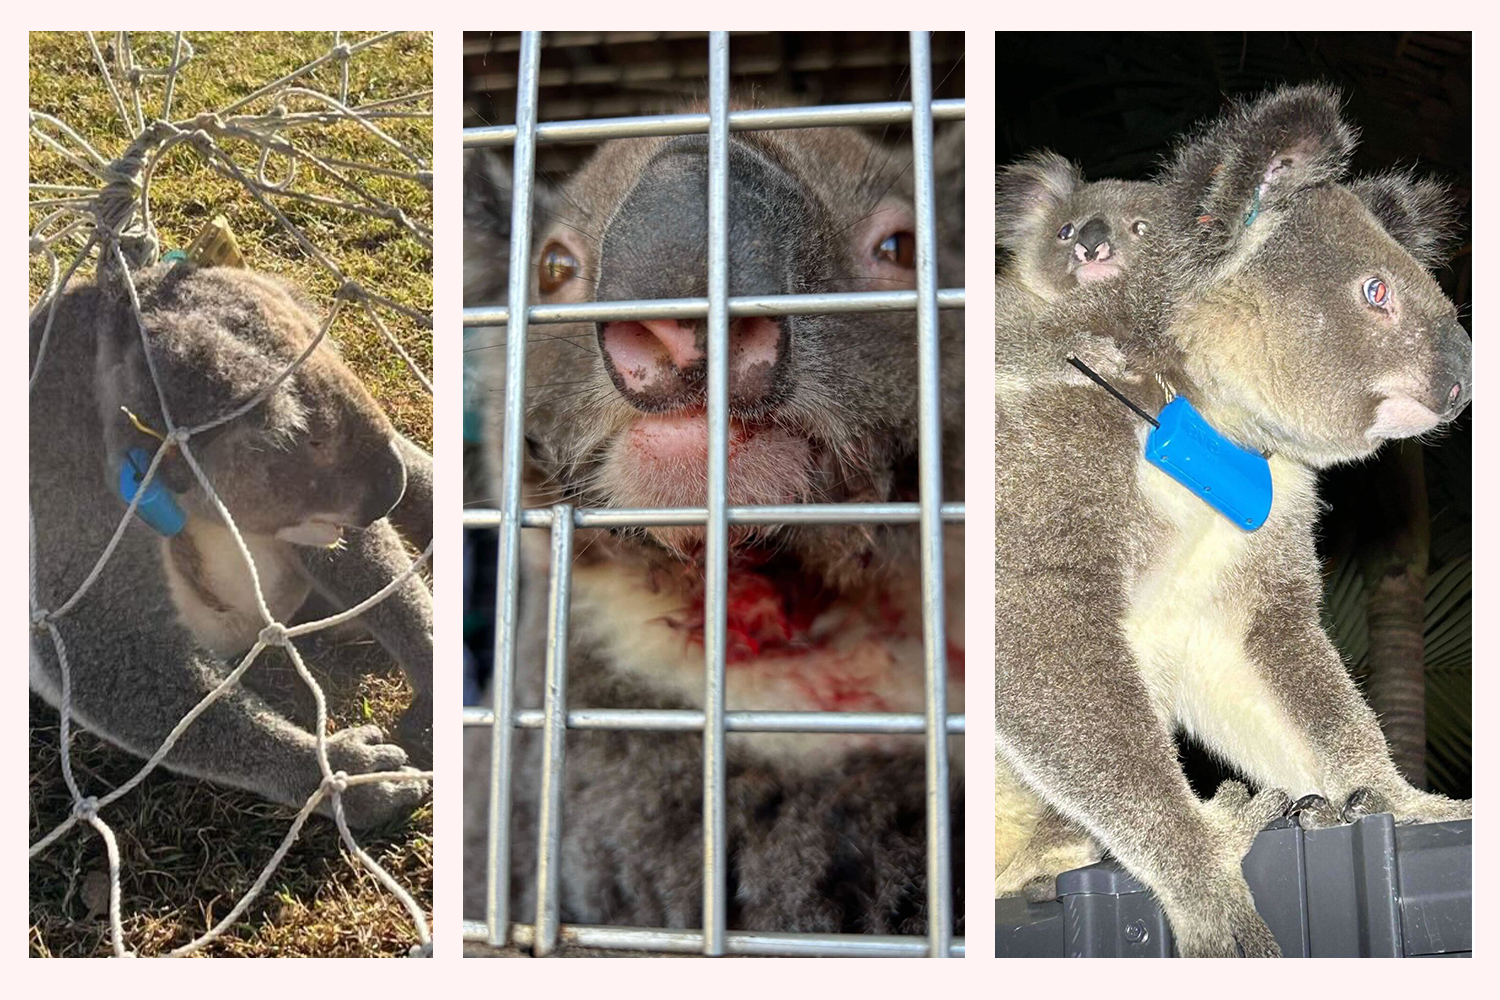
(401, 623)
(1113, 767)
(413, 515)
(238, 740)
(1320, 737)
(1056, 845)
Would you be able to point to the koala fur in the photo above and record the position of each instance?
(316, 480)
(826, 832)
(1127, 608)
(1059, 233)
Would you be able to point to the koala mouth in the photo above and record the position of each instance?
(661, 460)
(1401, 417)
(315, 532)
(1096, 270)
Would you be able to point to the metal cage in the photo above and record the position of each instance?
(553, 718)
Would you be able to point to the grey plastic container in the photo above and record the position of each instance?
(1370, 888)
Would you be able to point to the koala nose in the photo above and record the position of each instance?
(1454, 382)
(660, 364)
(1093, 241)
(656, 247)
(387, 484)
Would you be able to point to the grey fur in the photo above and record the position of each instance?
(1126, 608)
(840, 848)
(139, 655)
(1043, 206)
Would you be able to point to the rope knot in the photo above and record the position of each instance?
(87, 809)
(36, 246)
(39, 619)
(178, 436)
(274, 634)
(341, 51)
(336, 783)
(350, 291)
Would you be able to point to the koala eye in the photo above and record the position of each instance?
(899, 249)
(1066, 232)
(557, 267)
(1139, 227)
(1377, 293)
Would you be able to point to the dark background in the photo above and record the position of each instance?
(1113, 102)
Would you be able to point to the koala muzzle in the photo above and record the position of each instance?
(387, 484)
(656, 246)
(1093, 241)
(1454, 382)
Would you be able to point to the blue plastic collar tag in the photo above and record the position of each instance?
(1233, 481)
(158, 508)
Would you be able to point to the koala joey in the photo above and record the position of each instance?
(1294, 310)
(826, 831)
(1059, 233)
(324, 492)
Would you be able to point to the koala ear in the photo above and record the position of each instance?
(1419, 214)
(1025, 191)
(1263, 151)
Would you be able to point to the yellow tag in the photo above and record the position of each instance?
(215, 246)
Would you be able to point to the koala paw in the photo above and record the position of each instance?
(361, 751)
(1223, 925)
(1242, 816)
(1101, 354)
(1415, 806)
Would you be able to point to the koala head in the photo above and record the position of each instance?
(822, 408)
(1310, 318)
(1062, 231)
(316, 456)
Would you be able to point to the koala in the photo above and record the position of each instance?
(826, 832)
(1059, 233)
(324, 492)
(1295, 311)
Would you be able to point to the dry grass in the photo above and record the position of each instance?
(188, 849)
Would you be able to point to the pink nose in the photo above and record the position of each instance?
(660, 364)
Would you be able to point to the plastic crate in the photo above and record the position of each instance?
(1370, 888)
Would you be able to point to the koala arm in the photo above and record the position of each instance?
(413, 515)
(402, 622)
(132, 686)
(1343, 748)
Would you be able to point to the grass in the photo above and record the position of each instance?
(189, 849)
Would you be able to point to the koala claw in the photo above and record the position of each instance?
(361, 751)
(1314, 812)
(1363, 802)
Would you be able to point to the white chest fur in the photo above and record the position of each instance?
(1190, 610)
(212, 589)
(855, 656)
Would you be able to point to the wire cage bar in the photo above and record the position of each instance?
(546, 934)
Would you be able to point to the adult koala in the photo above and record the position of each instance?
(314, 477)
(825, 831)
(1294, 311)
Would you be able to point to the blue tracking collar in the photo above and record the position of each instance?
(1232, 480)
(158, 508)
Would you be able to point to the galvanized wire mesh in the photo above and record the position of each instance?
(546, 933)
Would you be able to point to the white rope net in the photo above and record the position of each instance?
(263, 142)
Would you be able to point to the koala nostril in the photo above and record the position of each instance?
(643, 355)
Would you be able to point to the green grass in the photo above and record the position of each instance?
(189, 849)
